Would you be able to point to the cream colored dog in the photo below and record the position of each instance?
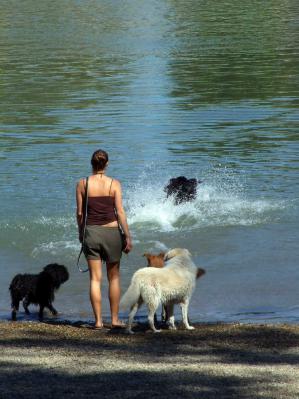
(170, 285)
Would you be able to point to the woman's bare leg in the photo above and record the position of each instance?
(95, 272)
(114, 292)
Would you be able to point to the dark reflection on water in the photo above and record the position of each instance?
(167, 88)
(235, 52)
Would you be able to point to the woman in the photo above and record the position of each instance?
(102, 240)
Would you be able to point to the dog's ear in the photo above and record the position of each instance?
(176, 252)
(168, 255)
(148, 258)
(171, 254)
(200, 272)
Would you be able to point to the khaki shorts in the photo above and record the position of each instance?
(102, 243)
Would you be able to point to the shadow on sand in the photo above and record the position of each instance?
(170, 365)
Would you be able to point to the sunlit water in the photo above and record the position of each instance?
(167, 88)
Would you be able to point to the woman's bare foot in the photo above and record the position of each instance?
(98, 325)
(118, 324)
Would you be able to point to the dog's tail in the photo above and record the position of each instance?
(200, 272)
(16, 283)
(131, 296)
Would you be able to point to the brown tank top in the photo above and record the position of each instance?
(101, 210)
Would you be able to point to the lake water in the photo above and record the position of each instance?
(168, 88)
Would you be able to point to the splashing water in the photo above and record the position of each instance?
(221, 201)
(218, 203)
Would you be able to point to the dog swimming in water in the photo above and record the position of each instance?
(182, 189)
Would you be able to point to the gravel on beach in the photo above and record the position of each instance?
(46, 360)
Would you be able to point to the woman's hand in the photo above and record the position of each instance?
(129, 245)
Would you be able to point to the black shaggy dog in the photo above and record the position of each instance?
(37, 288)
(182, 189)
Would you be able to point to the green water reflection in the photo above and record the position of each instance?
(236, 51)
(85, 72)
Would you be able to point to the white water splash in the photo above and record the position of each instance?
(215, 205)
(221, 201)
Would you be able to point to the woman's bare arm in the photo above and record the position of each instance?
(79, 212)
(122, 218)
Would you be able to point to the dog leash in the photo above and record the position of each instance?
(84, 229)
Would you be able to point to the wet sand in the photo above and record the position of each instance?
(46, 360)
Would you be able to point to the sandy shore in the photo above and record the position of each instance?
(40, 360)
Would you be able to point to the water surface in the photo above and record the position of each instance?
(168, 88)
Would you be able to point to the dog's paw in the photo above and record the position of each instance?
(190, 328)
(156, 331)
(129, 331)
(171, 327)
